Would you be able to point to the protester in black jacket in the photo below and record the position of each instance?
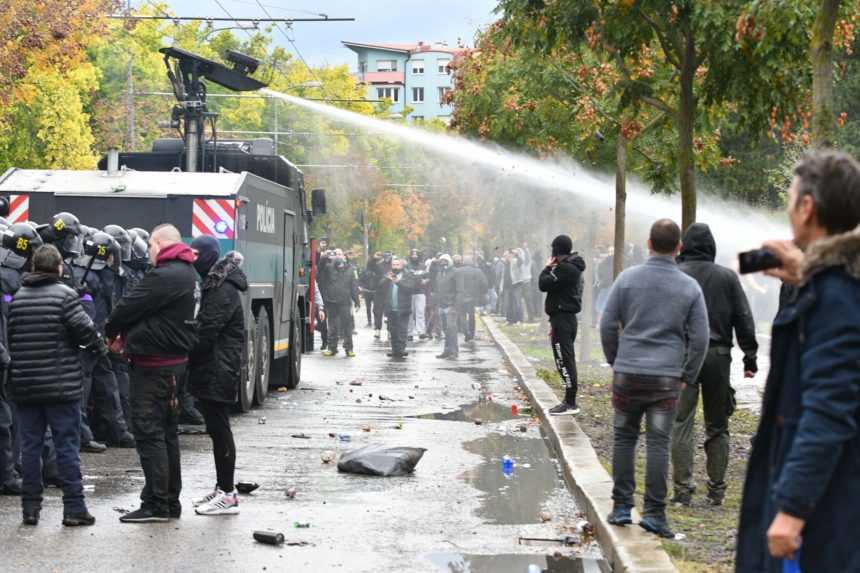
(397, 289)
(47, 325)
(471, 289)
(340, 294)
(215, 367)
(562, 280)
(728, 310)
(157, 322)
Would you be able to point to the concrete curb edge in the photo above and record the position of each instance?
(627, 549)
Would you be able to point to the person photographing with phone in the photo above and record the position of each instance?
(801, 486)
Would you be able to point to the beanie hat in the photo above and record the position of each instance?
(208, 252)
(562, 245)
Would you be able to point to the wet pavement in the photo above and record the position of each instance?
(459, 512)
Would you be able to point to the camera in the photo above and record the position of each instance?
(757, 260)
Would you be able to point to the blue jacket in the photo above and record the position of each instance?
(805, 458)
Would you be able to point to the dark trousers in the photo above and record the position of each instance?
(448, 318)
(467, 314)
(562, 335)
(378, 310)
(155, 417)
(217, 416)
(7, 455)
(120, 371)
(717, 404)
(656, 399)
(398, 325)
(514, 304)
(368, 307)
(64, 420)
(339, 317)
(107, 420)
(322, 326)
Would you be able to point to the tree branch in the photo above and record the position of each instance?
(672, 58)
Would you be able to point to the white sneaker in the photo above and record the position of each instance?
(224, 504)
(207, 498)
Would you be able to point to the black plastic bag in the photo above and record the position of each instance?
(381, 461)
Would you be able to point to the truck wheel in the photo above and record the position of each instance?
(246, 388)
(294, 359)
(264, 352)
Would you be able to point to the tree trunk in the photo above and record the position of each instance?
(686, 127)
(821, 51)
(620, 203)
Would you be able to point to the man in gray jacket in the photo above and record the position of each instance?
(654, 332)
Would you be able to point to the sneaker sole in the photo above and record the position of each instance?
(658, 533)
(231, 511)
(146, 520)
(620, 522)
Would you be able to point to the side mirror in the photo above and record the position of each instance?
(318, 202)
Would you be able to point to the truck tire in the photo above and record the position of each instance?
(246, 388)
(263, 335)
(294, 359)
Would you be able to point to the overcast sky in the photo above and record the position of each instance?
(375, 21)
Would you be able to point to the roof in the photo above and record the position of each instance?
(383, 77)
(124, 183)
(413, 48)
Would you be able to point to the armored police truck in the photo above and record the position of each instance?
(240, 192)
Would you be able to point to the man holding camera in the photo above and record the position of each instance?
(561, 279)
(801, 483)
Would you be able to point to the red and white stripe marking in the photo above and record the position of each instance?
(19, 209)
(214, 217)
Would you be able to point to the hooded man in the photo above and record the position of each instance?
(157, 323)
(562, 280)
(728, 310)
(340, 294)
(445, 294)
(215, 365)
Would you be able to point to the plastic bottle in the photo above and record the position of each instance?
(515, 410)
(344, 437)
(507, 465)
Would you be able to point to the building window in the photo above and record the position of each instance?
(443, 91)
(418, 118)
(443, 66)
(388, 93)
(417, 67)
(418, 95)
(386, 65)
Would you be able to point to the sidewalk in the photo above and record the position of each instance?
(628, 549)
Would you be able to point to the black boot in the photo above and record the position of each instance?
(78, 519)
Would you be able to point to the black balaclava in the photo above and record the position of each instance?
(208, 253)
(562, 246)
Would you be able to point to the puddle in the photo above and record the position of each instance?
(487, 412)
(459, 563)
(517, 498)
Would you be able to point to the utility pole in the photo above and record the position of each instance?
(277, 149)
(129, 95)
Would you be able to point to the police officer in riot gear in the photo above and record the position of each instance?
(101, 251)
(19, 241)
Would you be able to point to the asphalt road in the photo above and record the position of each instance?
(457, 513)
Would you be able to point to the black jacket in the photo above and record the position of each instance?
(406, 287)
(727, 303)
(47, 326)
(341, 286)
(471, 285)
(158, 316)
(216, 361)
(563, 285)
(445, 286)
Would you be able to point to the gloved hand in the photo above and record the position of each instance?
(750, 364)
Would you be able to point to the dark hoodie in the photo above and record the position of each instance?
(216, 361)
(563, 284)
(727, 303)
(158, 316)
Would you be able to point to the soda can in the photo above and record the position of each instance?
(515, 410)
(344, 437)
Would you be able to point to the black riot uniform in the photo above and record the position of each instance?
(19, 242)
(101, 385)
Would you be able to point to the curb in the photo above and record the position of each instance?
(627, 549)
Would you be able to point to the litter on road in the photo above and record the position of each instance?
(269, 537)
(381, 460)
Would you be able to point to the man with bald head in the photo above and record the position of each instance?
(155, 324)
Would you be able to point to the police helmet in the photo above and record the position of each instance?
(123, 239)
(139, 246)
(21, 240)
(65, 232)
(142, 233)
(99, 247)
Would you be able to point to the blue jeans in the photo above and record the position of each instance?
(64, 419)
(656, 399)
